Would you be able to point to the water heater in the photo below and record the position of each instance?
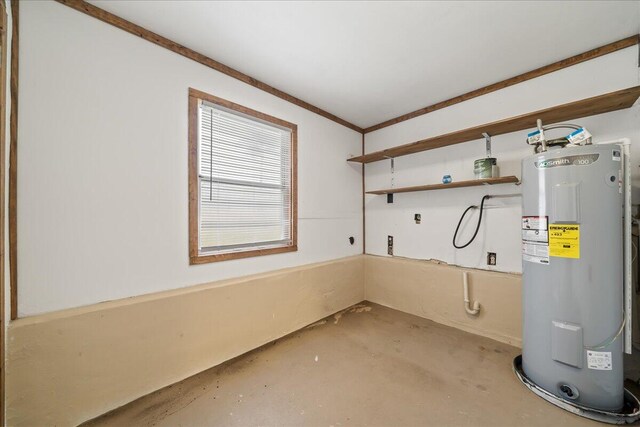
(572, 249)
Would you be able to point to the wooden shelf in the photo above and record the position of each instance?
(587, 107)
(470, 183)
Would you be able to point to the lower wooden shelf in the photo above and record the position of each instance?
(471, 183)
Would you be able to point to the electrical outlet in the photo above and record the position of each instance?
(417, 218)
(390, 245)
(491, 258)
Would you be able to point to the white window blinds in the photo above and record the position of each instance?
(244, 180)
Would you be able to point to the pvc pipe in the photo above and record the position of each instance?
(628, 286)
(476, 305)
(543, 141)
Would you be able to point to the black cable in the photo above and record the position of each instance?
(477, 226)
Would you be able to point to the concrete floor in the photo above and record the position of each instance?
(367, 366)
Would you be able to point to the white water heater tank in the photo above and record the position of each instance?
(573, 274)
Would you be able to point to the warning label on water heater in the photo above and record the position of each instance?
(599, 360)
(564, 240)
(535, 239)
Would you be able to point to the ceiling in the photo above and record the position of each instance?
(367, 62)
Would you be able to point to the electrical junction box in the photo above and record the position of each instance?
(491, 258)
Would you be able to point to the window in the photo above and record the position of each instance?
(242, 181)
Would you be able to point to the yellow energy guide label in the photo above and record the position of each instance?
(564, 240)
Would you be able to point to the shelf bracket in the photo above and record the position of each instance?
(390, 195)
(487, 142)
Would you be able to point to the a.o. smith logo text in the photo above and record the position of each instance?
(582, 160)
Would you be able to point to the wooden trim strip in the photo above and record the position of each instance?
(13, 162)
(294, 188)
(195, 96)
(205, 259)
(3, 216)
(195, 93)
(123, 24)
(193, 177)
(364, 228)
(582, 57)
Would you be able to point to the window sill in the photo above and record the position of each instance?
(205, 259)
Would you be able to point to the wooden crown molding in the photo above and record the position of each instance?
(612, 101)
(582, 57)
(130, 27)
(123, 24)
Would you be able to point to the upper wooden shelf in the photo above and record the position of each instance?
(455, 184)
(587, 107)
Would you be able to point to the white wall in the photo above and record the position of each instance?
(102, 181)
(441, 210)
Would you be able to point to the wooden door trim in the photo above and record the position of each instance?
(13, 161)
(3, 217)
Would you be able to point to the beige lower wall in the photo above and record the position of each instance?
(434, 291)
(66, 367)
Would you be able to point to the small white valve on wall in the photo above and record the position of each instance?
(474, 308)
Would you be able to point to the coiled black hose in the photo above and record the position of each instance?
(477, 226)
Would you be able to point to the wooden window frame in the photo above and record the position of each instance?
(195, 257)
